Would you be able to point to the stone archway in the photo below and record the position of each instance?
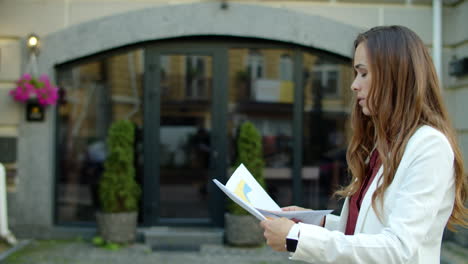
(165, 22)
(197, 19)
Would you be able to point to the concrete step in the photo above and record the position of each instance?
(182, 238)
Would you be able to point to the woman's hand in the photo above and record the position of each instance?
(294, 208)
(297, 208)
(276, 231)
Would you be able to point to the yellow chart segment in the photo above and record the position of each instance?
(242, 190)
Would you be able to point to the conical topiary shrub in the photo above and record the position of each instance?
(249, 152)
(242, 229)
(118, 189)
(119, 193)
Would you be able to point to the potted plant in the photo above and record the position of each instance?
(36, 93)
(36, 89)
(241, 228)
(118, 190)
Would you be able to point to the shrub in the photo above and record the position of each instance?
(118, 190)
(249, 152)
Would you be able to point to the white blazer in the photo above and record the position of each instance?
(417, 206)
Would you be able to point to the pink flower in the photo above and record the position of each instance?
(29, 87)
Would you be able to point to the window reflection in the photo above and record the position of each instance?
(286, 68)
(255, 65)
(326, 110)
(261, 91)
(185, 132)
(326, 75)
(96, 94)
(185, 77)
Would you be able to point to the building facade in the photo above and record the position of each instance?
(188, 73)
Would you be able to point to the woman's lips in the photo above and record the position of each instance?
(361, 101)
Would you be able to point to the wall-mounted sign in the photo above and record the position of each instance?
(35, 112)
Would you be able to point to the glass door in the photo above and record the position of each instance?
(261, 91)
(184, 105)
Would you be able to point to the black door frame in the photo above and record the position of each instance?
(218, 47)
(152, 113)
(219, 50)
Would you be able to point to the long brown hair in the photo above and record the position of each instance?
(406, 92)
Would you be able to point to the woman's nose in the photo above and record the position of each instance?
(354, 86)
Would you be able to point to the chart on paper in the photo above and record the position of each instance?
(243, 189)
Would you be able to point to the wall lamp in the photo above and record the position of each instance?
(33, 43)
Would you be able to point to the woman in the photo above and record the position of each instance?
(407, 170)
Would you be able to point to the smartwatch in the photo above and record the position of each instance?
(292, 238)
(291, 244)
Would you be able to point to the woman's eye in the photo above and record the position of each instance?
(364, 75)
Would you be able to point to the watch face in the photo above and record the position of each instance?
(291, 245)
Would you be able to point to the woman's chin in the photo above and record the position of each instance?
(365, 111)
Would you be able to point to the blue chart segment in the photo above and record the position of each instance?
(242, 190)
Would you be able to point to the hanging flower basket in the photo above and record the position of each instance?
(40, 89)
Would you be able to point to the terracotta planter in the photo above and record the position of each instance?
(117, 227)
(243, 230)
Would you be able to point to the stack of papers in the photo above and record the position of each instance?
(243, 189)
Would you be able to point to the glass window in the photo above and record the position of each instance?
(326, 75)
(255, 64)
(327, 96)
(286, 68)
(185, 77)
(262, 92)
(185, 135)
(260, 89)
(96, 94)
(196, 77)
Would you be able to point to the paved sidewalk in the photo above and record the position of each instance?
(83, 252)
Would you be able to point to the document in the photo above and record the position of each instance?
(244, 190)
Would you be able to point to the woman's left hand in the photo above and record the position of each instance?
(276, 231)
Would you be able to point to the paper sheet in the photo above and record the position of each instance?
(243, 189)
(308, 217)
(239, 201)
